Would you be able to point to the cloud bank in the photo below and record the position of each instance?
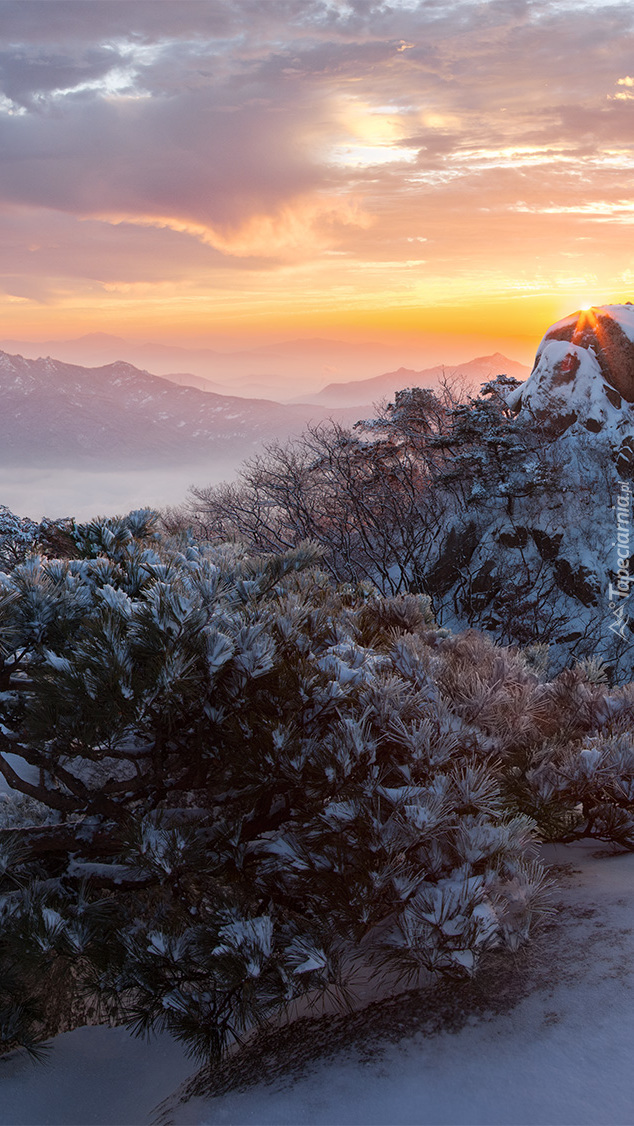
(256, 152)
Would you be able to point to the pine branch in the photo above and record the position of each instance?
(40, 840)
(52, 798)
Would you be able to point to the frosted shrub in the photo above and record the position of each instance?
(21, 537)
(261, 769)
(585, 790)
(18, 537)
(564, 746)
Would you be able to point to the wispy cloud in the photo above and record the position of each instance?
(191, 144)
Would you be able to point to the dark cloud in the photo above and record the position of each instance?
(183, 157)
(67, 21)
(24, 77)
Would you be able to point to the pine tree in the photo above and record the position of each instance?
(251, 774)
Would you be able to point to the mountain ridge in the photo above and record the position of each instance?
(52, 412)
(269, 369)
(476, 371)
(235, 371)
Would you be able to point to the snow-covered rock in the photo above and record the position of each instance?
(550, 542)
(583, 377)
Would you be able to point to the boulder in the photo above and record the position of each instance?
(583, 376)
(608, 331)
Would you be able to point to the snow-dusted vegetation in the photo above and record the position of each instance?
(232, 770)
(230, 777)
(503, 508)
(251, 775)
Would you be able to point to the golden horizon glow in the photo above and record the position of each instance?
(225, 172)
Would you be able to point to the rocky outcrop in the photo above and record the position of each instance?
(553, 554)
(607, 331)
(583, 377)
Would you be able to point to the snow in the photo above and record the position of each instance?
(567, 375)
(93, 1075)
(551, 390)
(22, 768)
(561, 1057)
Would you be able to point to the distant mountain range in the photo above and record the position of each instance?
(356, 393)
(54, 413)
(270, 371)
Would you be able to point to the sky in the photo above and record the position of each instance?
(249, 170)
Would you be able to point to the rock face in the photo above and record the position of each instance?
(546, 548)
(608, 332)
(583, 377)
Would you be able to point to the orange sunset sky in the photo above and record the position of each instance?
(221, 173)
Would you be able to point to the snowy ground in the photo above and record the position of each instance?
(562, 1055)
(551, 1042)
(93, 1075)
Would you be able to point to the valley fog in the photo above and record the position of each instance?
(86, 493)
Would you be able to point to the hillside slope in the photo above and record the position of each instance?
(54, 413)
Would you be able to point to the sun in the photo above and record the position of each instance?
(586, 319)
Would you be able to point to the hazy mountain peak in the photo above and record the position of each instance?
(359, 392)
(98, 338)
